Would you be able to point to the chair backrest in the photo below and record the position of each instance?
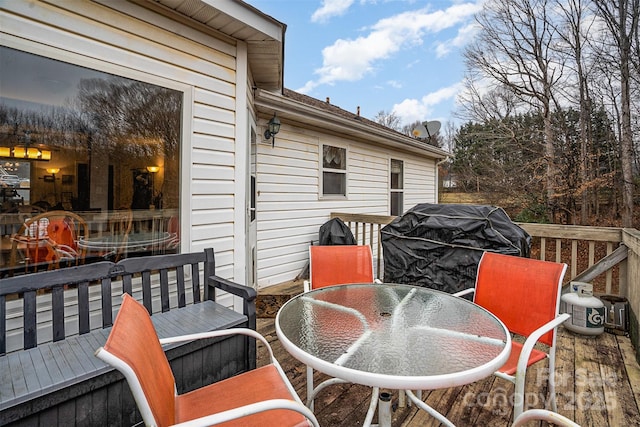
(524, 293)
(120, 225)
(337, 264)
(134, 341)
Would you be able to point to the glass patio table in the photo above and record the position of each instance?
(131, 241)
(393, 336)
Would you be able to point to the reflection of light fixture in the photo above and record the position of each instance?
(153, 170)
(33, 153)
(52, 178)
(23, 152)
(19, 151)
(274, 128)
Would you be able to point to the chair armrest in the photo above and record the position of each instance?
(532, 339)
(464, 292)
(253, 408)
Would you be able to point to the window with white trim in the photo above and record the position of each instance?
(396, 180)
(334, 171)
(91, 143)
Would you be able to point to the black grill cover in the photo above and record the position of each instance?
(439, 246)
(335, 232)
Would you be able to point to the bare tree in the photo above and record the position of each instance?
(388, 119)
(515, 49)
(622, 18)
(573, 33)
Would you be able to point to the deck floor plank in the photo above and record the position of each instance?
(604, 365)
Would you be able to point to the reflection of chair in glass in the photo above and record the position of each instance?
(119, 227)
(525, 294)
(173, 227)
(334, 265)
(262, 396)
(49, 238)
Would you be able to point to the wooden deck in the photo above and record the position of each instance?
(598, 384)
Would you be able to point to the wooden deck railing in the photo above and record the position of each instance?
(608, 257)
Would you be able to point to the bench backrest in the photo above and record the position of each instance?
(150, 273)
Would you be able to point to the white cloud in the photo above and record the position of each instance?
(394, 84)
(331, 8)
(351, 60)
(411, 110)
(465, 34)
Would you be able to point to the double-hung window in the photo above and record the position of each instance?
(397, 186)
(334, 171)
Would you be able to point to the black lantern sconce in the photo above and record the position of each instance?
(273, 129)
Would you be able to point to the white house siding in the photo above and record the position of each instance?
(290, 210)
(126, 39)
(419, 182)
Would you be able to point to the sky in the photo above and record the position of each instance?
(401, 56)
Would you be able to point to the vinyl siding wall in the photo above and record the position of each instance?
(289, 207)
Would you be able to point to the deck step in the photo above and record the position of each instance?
(269, 300)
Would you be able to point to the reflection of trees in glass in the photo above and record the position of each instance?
(128, 123)
(131, 119)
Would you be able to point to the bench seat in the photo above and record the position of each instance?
(46, 376)
(52, 322)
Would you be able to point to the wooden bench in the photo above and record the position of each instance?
(49, 374)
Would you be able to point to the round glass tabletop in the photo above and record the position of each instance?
(393, 336)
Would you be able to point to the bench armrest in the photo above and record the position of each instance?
(242, 291)
(248, 296)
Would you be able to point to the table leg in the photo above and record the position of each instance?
(372, 407)
(420, 404)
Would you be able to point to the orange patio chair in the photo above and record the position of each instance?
(525, 294)
(260, 397)
(337, 265)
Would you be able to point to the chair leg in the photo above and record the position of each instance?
(552, 382)
(518, 394)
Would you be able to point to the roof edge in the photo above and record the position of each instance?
(358, 126)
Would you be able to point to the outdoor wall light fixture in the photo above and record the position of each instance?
(153, 169)
(53, 171)
(273, 129)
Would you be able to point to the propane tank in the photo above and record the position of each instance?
(587, 311)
